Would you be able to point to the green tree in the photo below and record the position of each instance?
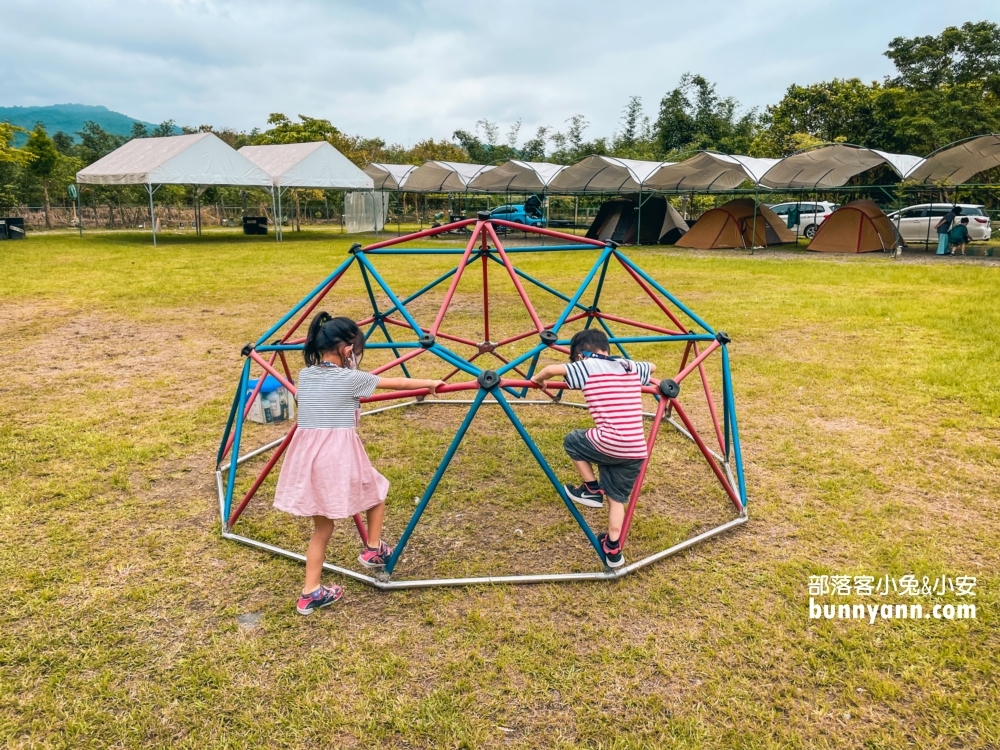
(635, 138)
(48, 169)
(694, 116)
(96, 142)
(12, 160)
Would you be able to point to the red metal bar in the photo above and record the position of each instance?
(522, 373)
(312, 305)
(711, 402)
(514, 277)
(532, 384)
(362, 531)
(486, 298)
(518, 337)
(284, 365)
(398, 361)
(708, 456)
(267, 367)
(696, 361)
(637, 324)
(261, 477)
(417, 235)
(450, 337)
(652, 295)
(367, 321)
(546, 232)
(455, 279)
(637, 488)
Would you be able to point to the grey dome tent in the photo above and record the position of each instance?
(620, 219)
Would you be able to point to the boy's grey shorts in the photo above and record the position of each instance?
(617, 475)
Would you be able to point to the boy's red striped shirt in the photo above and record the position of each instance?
(612, 388)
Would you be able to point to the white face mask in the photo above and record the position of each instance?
(352, 361)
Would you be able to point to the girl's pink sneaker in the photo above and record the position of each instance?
(322, 597)
(375, 558)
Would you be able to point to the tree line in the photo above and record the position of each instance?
(945, 87)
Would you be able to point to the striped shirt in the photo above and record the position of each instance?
(328, 396)
(612, 390)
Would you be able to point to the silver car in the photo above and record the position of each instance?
(916, 223)
(811, 215)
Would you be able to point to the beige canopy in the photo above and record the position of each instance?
(708, 171)
(832, 166)
(516, 176)
(604, 174)
(958, 163)
(389, 176)
(443, 177)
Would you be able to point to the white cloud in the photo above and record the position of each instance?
(406, 71)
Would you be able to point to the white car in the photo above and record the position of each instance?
(916, 223)
(811, 215)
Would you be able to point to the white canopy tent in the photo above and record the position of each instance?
(960, 161)
(199, 159)
(604, 174)
(708, 171)
(832, 166)
(516, 176)
(443, 177)
(389, 176)
(306, 165)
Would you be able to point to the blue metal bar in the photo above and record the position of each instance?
(651, 339)
(579, 292)
(449, 356)
(727, 376)
(229, 427)
(395, 347)
(392, 295)
(531, 371)
(726, 396)
(305, 300)
(549, 473)
(523, 358)
(659, 287)
(597, 296)
(425, 289)
(235, 451)
(612, 339)
(435, 480)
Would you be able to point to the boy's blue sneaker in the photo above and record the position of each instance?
(612, 551)
(322, 597)
(588, 493)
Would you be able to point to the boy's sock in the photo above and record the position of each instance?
(593, 485)
(613, 543)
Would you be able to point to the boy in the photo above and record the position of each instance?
(959, 236)
(617, 443)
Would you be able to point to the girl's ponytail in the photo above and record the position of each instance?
(326, 333)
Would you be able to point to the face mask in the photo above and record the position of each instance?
(352, 361)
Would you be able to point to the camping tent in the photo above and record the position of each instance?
(516, 176)
(306, 165)
(389, 176)
(960, 161)
(735, 225)
(200, 159)
(620, 219)
(604, 174)
(708, 171)
(858, 227)
(832, 166)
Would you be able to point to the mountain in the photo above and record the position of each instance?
(69, 118)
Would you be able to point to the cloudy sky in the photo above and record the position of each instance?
(406, 71)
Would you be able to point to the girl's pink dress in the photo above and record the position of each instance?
(326, 471)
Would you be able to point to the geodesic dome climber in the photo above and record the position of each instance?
(497, 372)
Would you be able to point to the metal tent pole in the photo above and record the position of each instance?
(152, 218)
(274, 213)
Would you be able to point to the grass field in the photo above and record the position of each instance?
(870, 416)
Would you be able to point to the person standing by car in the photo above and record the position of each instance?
(943, 227)
(958, 237)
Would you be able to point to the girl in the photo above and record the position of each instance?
(326, 473)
